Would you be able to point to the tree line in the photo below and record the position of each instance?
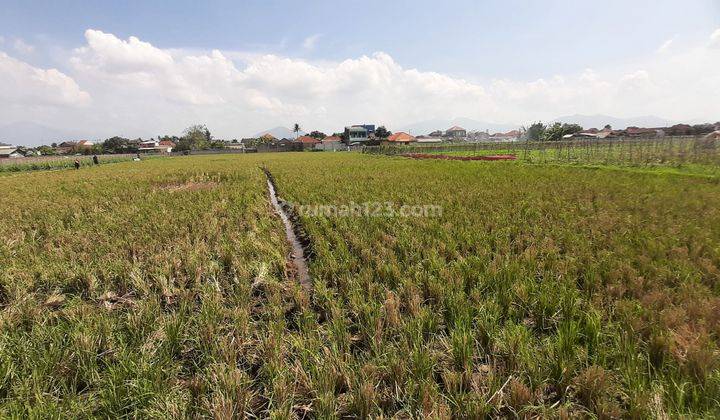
(195, 137)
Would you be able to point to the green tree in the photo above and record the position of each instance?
(553, 132)
(556, 131)
(296, 130)
(196, 137)
(572, 128)
(536, 132)
(382, 132)
(118, 145)
(317, 134)
(46, 150)
(217, 144)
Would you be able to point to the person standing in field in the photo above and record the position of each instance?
(77, 163)
(96, 161)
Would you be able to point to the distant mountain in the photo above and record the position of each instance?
(279, 132)
(32, 134)
(599, 121)
(428, 126)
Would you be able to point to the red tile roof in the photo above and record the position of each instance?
(639, 130)
(331, 138)
(401, 137)
(456, 128)
(307, 139)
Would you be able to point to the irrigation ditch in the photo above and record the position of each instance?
(300, 244)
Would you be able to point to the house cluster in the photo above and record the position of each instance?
(706, 130)
(73, 146)
(369, 134)
(84, 147)
(66, 147)
(9, 151)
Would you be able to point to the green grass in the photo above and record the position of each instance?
(57, 162)
(707, 170)
(159, 288)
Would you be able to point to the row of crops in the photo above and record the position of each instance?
(58, 162)
(614, 151)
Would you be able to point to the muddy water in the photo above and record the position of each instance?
(297, 256)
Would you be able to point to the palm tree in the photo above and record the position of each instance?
(296, 130)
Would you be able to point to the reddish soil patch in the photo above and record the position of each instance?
(447, 157)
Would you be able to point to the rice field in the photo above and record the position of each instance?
(45, 163)
(162, 289)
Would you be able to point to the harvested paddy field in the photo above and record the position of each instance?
(440, 288)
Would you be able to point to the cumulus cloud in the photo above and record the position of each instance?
(24, 85)
(23, 47)
(136, 85)
(715, 39)
(310, 42)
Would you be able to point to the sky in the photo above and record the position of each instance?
(145, 68)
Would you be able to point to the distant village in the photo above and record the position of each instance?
(353, 136)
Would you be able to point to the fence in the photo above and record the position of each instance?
(674, 150)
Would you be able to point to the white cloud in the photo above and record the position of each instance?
(310, 42)
(715, 39)
(140, 89)
(23, 47)
(22, 85)
(665, 47)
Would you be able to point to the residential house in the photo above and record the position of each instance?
(283, 145)
(356, 134)
(644, 132)
(592, 133)
(154, 146)
(331, 143)
(509, 136)
(168, 145)
(307, 142)
(456, 132)
(234, 145)
(429, 139)
(436, 133)
(400, 138)
(66, 147)
(359, 133)
(85, 143)
(8, 151)
(478, 136)
(580, 135)
(715, 135)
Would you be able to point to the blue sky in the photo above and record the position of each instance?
(477, 42)
(479, 39)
